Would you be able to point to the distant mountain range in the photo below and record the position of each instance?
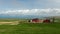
(26, 16)
(21, 16)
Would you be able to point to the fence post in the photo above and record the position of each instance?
(53, 19)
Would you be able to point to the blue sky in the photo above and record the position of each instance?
(29, 4)
(16, 4)
(30, 7)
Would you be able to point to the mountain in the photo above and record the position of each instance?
(21, 16)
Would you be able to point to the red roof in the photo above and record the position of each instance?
(35, 20)
(47, 21)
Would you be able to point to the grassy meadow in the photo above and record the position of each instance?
(25, 27)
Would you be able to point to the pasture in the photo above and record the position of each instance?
(29, 28)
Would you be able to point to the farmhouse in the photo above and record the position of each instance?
(36, 20)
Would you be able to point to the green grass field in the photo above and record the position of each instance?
(31, 28)
(26, 28)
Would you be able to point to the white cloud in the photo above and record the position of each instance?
(48, 12)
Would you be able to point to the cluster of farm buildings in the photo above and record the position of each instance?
(36, 20)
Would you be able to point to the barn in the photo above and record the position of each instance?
(47, 21)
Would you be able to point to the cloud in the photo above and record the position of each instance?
(44, 12)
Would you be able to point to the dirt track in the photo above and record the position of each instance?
(9, 23)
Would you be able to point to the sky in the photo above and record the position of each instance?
(29, 7)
